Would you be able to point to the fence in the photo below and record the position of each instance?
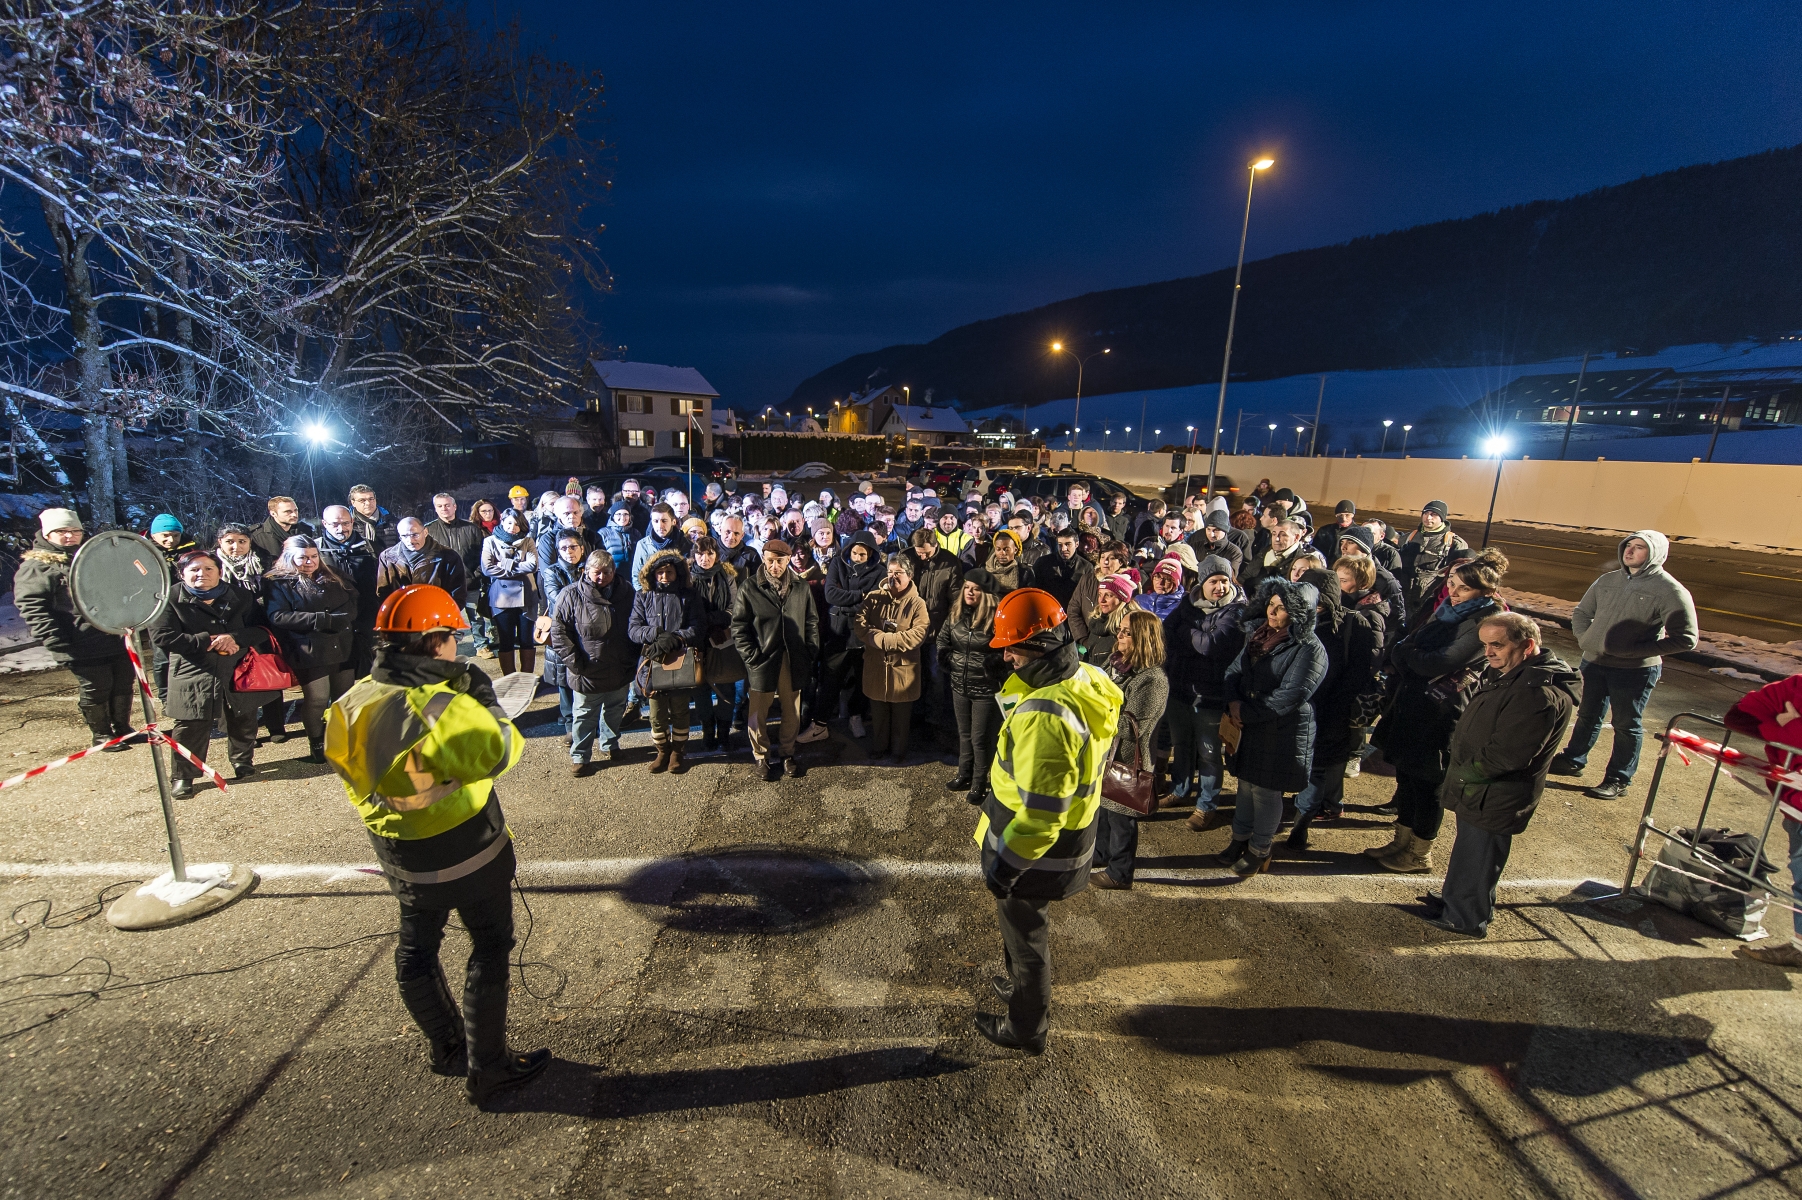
(784, 451)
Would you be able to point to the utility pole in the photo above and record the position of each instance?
(1318, 400)
(1237, 422)
(1232, 317)
(1575, 397)
(1720, 411)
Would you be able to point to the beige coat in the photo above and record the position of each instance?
(891, 663)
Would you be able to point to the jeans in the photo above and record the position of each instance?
(1624, 692)
(1325, 791)
(1026, 946)
(1417, 804)
(1257, 816)
(511, 631)
(480, 631)
(1117, 843)
(566, 704)
(1195, 738)
(978, 727)
(596, 717)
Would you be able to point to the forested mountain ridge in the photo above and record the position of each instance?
(1706, 253)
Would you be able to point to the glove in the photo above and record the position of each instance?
(481, 688)
(999, 878)
(664, 646)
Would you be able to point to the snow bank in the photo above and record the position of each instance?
(1766, 660)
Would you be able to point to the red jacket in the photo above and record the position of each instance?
(1756, 714)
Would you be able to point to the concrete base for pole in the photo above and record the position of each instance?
(163, 902)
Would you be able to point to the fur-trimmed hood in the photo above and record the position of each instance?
(648, 572)
(1301, 599)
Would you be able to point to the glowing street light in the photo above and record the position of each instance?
(1232, 319)
(1058, 348)
(1268, 436)
(1191, 439)
(1385, 449)
(1405, 429)
(1496, 447)
(1299, 430)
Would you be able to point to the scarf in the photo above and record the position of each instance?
(1264, 639)
(1202, 604)
(1008, 577)
(217, 591)
(1453, 613)
(414, 559)
(244, 571)
(501, 534)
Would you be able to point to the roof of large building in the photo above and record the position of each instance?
(921, 419)
(652, 377)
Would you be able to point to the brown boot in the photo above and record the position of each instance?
(1395, 846)
(508, 666)
(661, 762)
(1415, 859)
(528, 658)
(676, 765)
(1201, 822)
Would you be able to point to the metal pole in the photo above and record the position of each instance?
(1720, 411)
(1493, 492)
(1232, 319)
(178, 863)
(1076, 421)
(1142, 402)
(1577, 396)
(1238, 422)
(1318, 400)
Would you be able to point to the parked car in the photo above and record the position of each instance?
(817, 473)
(716, 469)
(1054, 485)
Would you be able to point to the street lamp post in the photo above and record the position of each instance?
(1320, 399)
(1105, 434)
(1299, 429)
(1498, 446)
(1385, 449)
(1405, 429)
(1232, 318)
(1191, 439)
(1267, 438)
(1129, 429)
(1076, 418)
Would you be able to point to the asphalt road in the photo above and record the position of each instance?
(1748, 592)
(766, 990)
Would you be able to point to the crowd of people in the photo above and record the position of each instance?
(1206, 641)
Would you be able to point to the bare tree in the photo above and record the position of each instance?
(137, 127)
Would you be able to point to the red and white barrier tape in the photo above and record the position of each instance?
(157, 738)
(1739, 766)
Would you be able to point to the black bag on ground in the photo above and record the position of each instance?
(1719, 903)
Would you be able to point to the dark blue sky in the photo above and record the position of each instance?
(798, 183)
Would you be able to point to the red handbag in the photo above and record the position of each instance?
(263, 671)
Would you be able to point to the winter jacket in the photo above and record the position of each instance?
(441, 568)
(1095, 636)
(553, 577)
(41, 594)
(1201, 643)
(1061, 576)
(619, 541)
(200, 681)
(1256, 569)
(1228, 550)
(518, 560)
(1510, 730)
(1756, 714)
(892, 628)
(314, 630)
(463, 539)
(354, 559)
(547, 543)
(939, 578)
(1144, 694)
(1159, 606)
(971, 666)
(590, 634)
(769, 625)
(1276, 744)
(1633, 619)
(847, 583)
(719, 588)
(269, 538)
(380, 531)
(1415, 731)
(1423, 556)
(744, 557)
(664, 619)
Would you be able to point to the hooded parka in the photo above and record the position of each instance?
(1276, 743)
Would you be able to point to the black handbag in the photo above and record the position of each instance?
(675, 675)
(1129, 786)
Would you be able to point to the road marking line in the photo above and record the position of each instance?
(1727, 612)
(1560, 549)
(1762, 575)
(620, 869)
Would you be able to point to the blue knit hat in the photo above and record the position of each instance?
(164, 523)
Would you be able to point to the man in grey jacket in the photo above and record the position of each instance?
(1626, 623)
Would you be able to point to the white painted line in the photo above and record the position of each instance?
(614, 870)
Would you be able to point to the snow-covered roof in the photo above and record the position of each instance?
(652, 377)
(921, 419)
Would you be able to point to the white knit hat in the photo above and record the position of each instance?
(52, 519)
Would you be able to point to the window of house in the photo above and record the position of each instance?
(638, 437)
(633, 404)
(681, 439)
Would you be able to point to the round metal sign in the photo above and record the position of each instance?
(120, 581)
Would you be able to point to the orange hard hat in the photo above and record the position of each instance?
(1025, 613)
(419, 608)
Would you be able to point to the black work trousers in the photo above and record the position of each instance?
(105, 682)
(1116, 843)
(978, 725)
(1026, 944)
(1472, 874)
(1417, 804)
(195, 737)
(487, 916)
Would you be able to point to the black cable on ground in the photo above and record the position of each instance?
(51, 919)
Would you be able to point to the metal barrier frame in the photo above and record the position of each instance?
(1636, 851)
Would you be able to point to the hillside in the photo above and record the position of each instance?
(1702, 254)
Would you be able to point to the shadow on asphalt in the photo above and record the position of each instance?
(753, 889)
(584, 1090)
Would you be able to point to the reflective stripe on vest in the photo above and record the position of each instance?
(1067, 715)
(468, 866)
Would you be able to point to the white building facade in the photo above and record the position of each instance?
(657, 410)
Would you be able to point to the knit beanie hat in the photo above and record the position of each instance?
(1169, 565)
(1438, 506)
(52, 519)
(1360, 534)
(1214, 565)
(1120, 586)
(1217, 519)
(1345, 506)
(1182, 552)
(165, 523)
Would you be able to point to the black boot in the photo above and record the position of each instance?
(100, 724)
(120, 711)
(959, 784)
(1235, 850)
(493, 1066)
(429, 1000)
(1298, 837)
(315, 750)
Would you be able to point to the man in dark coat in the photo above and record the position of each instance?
(464, 539)
(1499, 754)
(589, 633)
(349, 553)
(96, 658)
(416, 558)
(776, 628)
(939, 575)
(374, 524)
(1215, 537)
(1286, 545)
(1427, 552)
(282, 523)
(1326, 538)
(1062, 571)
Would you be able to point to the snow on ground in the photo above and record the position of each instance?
(1361, 400)
(1767, 660)
(19, 651)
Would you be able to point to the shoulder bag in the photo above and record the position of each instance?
(1129, 786)
(263, 671)
(678, 674)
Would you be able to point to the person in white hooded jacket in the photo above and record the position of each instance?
(1626, 623)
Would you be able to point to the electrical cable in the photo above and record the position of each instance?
(51, 919)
